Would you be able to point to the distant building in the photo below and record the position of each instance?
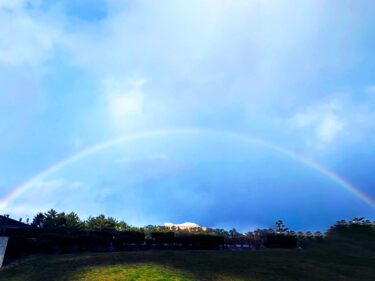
(189, 226)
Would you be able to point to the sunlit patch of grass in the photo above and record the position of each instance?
(139, 272)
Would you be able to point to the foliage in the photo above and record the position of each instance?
(280, 227)
(101, 222)
(65, 232)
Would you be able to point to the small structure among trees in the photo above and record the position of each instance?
(187, 226)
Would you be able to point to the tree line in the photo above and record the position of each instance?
(60, 232)
(53, 219)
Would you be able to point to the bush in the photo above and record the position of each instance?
(163, 237)
(276, 240)
(200, 240)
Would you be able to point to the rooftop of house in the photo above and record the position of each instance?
(11, 223)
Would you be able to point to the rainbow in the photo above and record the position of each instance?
(19, 190)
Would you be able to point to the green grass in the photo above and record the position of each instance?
(339, 260)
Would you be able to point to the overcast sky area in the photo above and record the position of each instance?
(299, 75)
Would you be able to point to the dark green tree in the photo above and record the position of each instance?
(39, 220)
(53, 219)
(280, 227)
(73, 221)
(101, 222)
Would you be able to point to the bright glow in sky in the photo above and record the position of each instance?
(298, 74)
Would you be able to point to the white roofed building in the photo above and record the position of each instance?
(189, 226)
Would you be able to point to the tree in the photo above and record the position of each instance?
(123, 226)
(101, 222)
(357, 220)
(53, 219)
(73, 221)
(39, 220)
(341, 223)
(280, 227)
(235, 237)
(309, 235)
(221, 232)
(233, 234)
(318, 235)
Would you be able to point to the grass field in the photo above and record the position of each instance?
(342, 260)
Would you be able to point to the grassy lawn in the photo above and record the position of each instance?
(338, 261)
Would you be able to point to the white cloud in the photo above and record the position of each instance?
(200, 55)
(322, 123)
(328, 128)
(27, 38)
(125, 102)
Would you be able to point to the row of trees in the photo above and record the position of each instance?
(65, 232)
(54, 219)
(355, 221)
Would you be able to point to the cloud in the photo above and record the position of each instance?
(246, 66)
(323, 120)
(124, 101)
(27, 38)
(201, 57)
(329, 128)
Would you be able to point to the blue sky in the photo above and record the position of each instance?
(298, 74)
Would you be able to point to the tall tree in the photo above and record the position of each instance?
(39, 220)
(73, 221)
(280, 227)
(101, 222)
